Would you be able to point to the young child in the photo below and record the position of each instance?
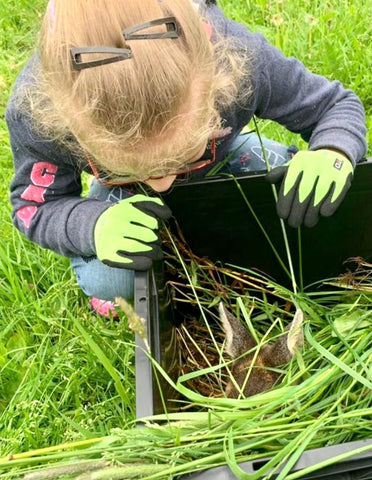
(146, 92)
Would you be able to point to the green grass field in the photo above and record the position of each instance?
(57, 384)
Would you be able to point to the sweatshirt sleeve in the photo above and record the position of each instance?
(323, 112)
(45, 192)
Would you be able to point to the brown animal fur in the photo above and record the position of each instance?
(262, 376)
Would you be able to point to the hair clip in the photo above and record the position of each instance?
(170, 22)
(119, 55)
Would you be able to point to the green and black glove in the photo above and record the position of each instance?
(126, 234)
(313, 183)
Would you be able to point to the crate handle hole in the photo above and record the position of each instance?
(142, 299)
(259, 464)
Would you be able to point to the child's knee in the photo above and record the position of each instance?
(247, 154)
(98, 280)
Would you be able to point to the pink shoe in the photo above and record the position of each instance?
(104, 307)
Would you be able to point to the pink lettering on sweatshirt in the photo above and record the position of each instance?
(26, 214)
(43, 175)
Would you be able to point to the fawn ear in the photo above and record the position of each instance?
(295, 337)
(238, 339)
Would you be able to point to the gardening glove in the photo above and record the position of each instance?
(313, 183)
(126, 234)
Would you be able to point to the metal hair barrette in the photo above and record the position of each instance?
(169, 22)
(119, 54)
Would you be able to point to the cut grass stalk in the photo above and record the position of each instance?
(282, 224)
(288, 272)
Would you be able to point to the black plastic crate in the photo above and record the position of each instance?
(357, 468)
(217, 223)
(152, 305)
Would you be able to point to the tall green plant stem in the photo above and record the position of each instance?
(282, 224)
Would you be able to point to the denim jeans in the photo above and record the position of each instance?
(98, 280)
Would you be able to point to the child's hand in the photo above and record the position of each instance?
(314, 182)
(126, 234)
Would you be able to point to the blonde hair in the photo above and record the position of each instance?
(143, 116)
